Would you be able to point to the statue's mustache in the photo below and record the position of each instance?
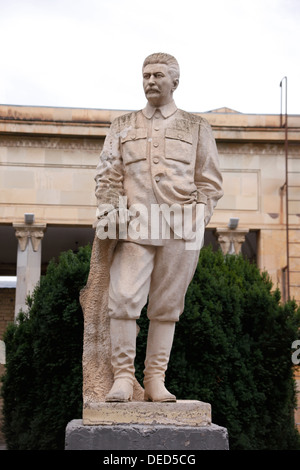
(152, 88)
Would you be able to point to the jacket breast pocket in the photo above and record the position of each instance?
(179, 145)
(134, 146)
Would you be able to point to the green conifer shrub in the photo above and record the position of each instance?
(43, 380)
(232, 348)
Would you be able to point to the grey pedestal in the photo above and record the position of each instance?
(144, 437)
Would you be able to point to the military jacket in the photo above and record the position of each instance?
(160, 156)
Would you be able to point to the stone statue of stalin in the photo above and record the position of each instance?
(159, 155)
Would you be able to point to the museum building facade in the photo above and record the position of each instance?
(48, 158)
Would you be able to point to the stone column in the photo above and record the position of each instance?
(2, 352)
(231, 240)
(28, 261)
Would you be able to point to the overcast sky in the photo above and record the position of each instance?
(89, 53)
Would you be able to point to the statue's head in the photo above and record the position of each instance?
(160, 78)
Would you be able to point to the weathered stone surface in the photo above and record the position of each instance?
(180, 413)
(96, 360)
(145, 437)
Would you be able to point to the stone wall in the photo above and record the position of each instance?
(297, 412)
(7, 307)
(2, 440)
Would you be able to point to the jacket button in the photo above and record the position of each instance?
(155, 144)
(155, 160)
(157, 178)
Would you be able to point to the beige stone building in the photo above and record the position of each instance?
(47, 165)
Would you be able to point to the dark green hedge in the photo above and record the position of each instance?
(232, 348)
(43, 380)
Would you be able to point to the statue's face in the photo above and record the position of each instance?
(158, 84)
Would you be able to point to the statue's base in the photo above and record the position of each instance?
(184, 425)
(179, 413)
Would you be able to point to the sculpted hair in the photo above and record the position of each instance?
(167, 59)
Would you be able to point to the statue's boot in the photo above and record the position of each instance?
(159, 345)
(123, 347)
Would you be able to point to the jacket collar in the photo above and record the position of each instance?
(167, 110)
